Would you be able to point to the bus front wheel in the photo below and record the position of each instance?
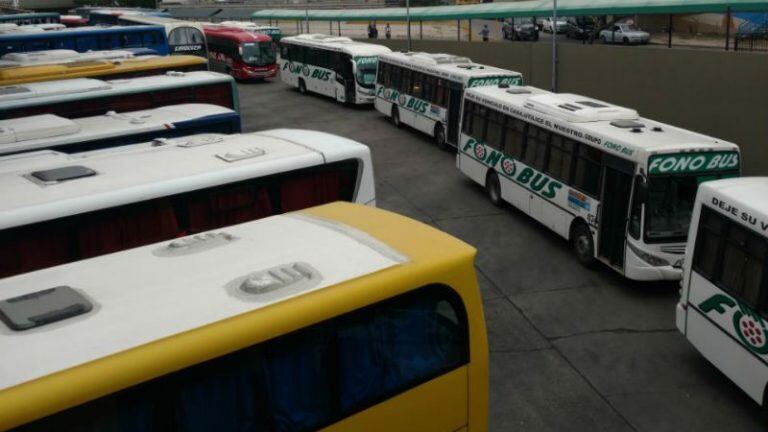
(396, 117)
(442, 144)
(302, 87)
(583, 245)
(493, 188)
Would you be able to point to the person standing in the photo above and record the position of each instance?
(388, 31)
(485, 32)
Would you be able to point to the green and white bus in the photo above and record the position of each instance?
(618, 186)
(424, 90)
(332, 66)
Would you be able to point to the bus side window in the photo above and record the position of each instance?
(416, 85)
(588, 170)
(477, 130)
(131, 40)
(635, 215)
(405, 81)
(395, 76)
(536, 147)
(710, 232)
(561, 158)
(382, 74)
(514, 137)
(494, 129)
(466, 121)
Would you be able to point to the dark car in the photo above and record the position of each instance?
(580, 28)
(521, 32)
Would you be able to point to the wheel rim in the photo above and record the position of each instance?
(440, 137)
(582, 245)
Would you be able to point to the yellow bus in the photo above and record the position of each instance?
(107, 69)
(340, 317)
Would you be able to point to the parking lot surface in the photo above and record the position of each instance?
(571, 348)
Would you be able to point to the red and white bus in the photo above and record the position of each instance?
(240, 53)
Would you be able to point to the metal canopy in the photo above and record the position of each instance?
(234, 14)
(518, 9)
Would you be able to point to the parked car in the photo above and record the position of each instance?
(547, 25)
(521, 32)
(625, 34)
(580, 28)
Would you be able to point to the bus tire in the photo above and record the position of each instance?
(493, 188)
(583, 244)
(302, 87)
(396, 117)
(440, 140)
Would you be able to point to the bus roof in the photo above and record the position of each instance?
(334, 43)
(41, 93)
(610, 127)
(446, 65)
(47, 130)
(251, 26)
(96, 68)
(745, 193)
(140, 172)
(237, 34)
(58, 56)
(189, 287)
(77, 31)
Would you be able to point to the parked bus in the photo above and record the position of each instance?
(49, 131)
(184, 37)
(722, 308)
(241, 54)
(424, 90)
(273, 32)
(259, 326)
(87, 39)
(71, 207)
(106, 69)
(112, 16)
(30, 28)
(86, 97)
(618, 186)
(30, 18)
(332, 66)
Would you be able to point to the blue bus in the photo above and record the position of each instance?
(31, 18)
(88, 39)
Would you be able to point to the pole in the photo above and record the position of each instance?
(330, 28)
(306, 17)
(554, 45)
(458, 30)
(669, 29)
(421, 34)
(408, 22)
(728, 29)
(297, 26)
(338, 25)
(470, 30)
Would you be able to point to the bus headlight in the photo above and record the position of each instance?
(650, 259)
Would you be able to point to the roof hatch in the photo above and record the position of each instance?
(577, 108)
(43, 307)
(58, 175)
(35, 127)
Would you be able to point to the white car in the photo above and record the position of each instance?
(625, 34)
(547, 25)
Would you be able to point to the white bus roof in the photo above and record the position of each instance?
(48, 130)
(61, 56)
(619, 130)
(145, 171)
(747, 194)
(248, 25)
(337, 43)
(42, 93)
(161, 290)
(449, 66)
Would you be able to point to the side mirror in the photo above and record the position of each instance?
(641, 189)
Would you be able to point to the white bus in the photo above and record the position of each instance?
(184, 37)
(61, 56)
(332, 66)
(59, 208)
(49, 131)
(424, 90)
(618, 186)
(86, 97)
(723, 308)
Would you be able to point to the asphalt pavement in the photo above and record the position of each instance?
(572, 349)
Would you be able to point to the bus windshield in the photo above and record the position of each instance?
(366, 71)
(670, 205)
(258, 54)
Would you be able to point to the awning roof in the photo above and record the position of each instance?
(518, 9)
(193, 12)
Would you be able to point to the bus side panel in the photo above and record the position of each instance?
(713, 333)
(383, 106)
(286, 75)
(439, 405)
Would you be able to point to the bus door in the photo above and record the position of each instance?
(618, 177)
(346, 78)
(454, 111)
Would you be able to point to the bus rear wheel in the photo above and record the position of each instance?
(493, 188)
(442, 144)
(396, 117)
(302, 87)
(583, 245)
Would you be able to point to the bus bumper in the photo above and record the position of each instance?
(256, 73)
(637, 269)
